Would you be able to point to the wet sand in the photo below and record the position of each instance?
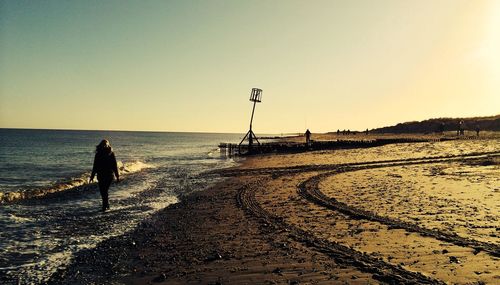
(422, 213)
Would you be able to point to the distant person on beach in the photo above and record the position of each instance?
(477, 130)
(460, 128)
(104, 166)
(308, 137)
(441, 128)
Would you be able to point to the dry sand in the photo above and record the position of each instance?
(404, 213)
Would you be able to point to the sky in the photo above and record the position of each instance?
(190, 65)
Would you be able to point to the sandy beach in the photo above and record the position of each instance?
(414, 213)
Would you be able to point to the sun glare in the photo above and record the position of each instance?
(491, 44)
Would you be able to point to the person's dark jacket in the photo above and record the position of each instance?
(105, 165)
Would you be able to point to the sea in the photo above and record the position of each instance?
(49, 211)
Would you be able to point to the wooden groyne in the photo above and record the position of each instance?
(230, 149)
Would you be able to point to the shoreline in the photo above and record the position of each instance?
(206, 238)
(257, 226)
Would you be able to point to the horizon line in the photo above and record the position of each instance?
(142, 131)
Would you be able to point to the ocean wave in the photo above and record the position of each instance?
(131, 167)
(37, 192)
(19, 219)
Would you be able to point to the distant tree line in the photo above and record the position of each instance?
(444, 124)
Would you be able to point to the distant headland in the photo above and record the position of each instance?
(491, 123)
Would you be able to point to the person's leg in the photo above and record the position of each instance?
(103, 191)
(104, 184)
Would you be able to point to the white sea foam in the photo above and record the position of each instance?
(134, 166)
(124, 169)
(17, 219)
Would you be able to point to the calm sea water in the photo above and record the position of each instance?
(40, 235)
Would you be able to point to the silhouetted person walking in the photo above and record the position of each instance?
(460, 128)
(104, 166)
(441, 128)
(308, 137)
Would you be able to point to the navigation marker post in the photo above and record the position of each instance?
(255, 97)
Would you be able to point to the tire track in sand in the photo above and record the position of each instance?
(309, 189)
(381, 270)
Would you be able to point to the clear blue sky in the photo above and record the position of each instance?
(190, 65)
